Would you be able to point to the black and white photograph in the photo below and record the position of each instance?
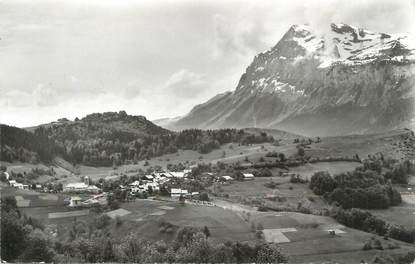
(207, 131)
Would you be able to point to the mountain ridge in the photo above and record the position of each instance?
(359, 82)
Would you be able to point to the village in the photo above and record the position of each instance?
(166, 184)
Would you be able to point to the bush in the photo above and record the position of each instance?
(271, 185)
(262, 209)
(373, 243)
(264, 172)
(102, 221)
(297, 179)
(204, 197)
(118, 220)
(401, 233)
(114, 204)
(321, 182)
(259, 234)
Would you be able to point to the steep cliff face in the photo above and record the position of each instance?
(347, 80)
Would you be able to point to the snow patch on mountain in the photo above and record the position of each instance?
(349, 45)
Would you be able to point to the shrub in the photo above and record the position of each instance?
(262, 209)
(297, 179)
(401, 233)
(321, 182)
(264, 172)
(118, 220)
(271, 185)
(259, 234)
(204, 197)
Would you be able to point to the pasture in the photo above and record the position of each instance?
(403, 214)
(336, 167)
(389, 143)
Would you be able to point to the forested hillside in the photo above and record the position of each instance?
(115, 138)
(19, 144)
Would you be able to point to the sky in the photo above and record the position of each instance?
(155, 58)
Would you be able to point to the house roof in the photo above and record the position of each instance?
(76, 185)
(176, 191)
(177, 174)
(136, 183)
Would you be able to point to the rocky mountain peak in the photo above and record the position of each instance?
(353, 78)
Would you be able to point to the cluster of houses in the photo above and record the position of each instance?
(18, 185)
(92, 195)
(15, 184)
(246, 177)
(147, 183)
(21, 186)
(152, 182)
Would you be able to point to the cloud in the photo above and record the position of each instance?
(375, 15)
(31, 27)
(132, 89)
(240, 36)
(45, 95)
(186, 84)
(15, 98)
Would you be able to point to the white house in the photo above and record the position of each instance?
(135, 183)
(18, 185)
(76, 186)
(12, 183)
(81, 187)
(248, 176)
(176, 192)
(75, 201)
(177, 174)
(227, 178)
(149, 177)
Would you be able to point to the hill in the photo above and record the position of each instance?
(105, 139)
(346, 81)
(19, 144)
